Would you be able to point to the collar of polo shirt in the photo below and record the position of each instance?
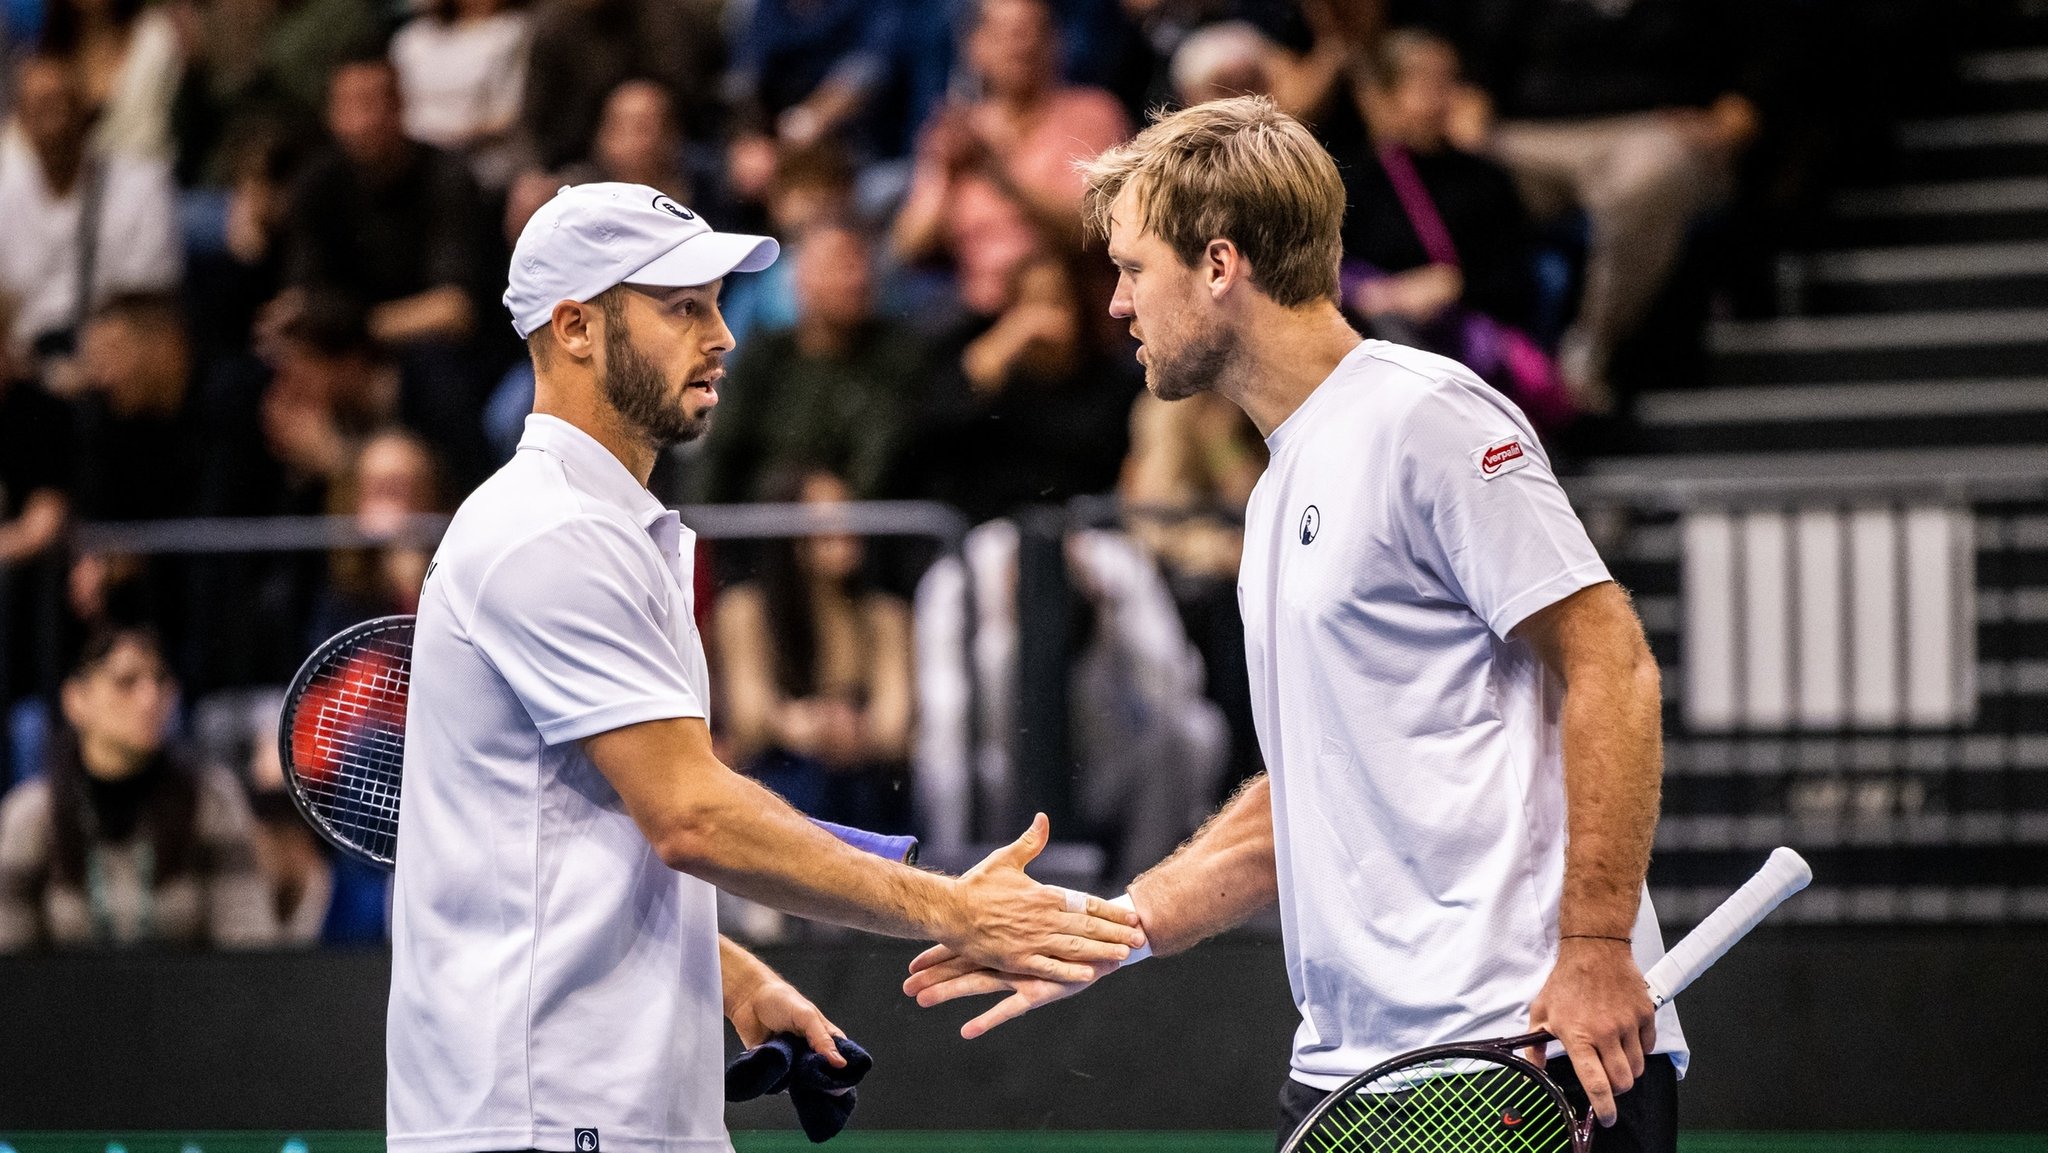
(596, 468)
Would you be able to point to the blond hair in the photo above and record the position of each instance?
(1239, 170)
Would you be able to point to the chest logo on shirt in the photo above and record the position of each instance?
(1499, 458)
(586, 1141)
(1311, 524)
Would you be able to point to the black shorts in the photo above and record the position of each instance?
(1647, 1121)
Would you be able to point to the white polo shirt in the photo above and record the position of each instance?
(553, 984)
(1408, 522)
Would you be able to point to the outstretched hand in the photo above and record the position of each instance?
(1011, 924)
(939, 975)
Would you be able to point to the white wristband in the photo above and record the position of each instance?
(1141, 952)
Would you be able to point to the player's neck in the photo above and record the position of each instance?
(1286, 354)
(600, 421)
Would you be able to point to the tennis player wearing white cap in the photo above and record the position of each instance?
(557, 973)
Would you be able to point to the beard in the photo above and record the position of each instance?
(641, 393)
(1195, 368)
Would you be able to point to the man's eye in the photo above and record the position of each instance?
(689, 308)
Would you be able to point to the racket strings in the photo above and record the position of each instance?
(348, 746)
(1445, 1106)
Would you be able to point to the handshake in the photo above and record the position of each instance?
(1037, 942)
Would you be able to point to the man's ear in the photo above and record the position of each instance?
(1223, 267)
(574, 325)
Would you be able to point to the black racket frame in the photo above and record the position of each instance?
(1500, 1051)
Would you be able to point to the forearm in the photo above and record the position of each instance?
(1613, 765)
(1215, 881)
(442, 312)
(751, 843)
(40, 524)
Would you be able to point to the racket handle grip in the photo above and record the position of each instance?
(1784, 874)
(901, 849)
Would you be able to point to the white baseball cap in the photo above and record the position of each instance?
(593, 236)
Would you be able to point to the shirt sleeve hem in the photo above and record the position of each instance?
(617, 716)
(1526, 604)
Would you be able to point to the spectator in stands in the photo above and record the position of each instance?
(331, 386)
(814, 669)
(1236, 58)
(640, 141)
(55, 188)
(129, 58)
(582, 50)
(122, 842)
(811, 186)
(1636, 113)
(833, 393)
(241, 269)
(393, 477)
(399, 226)
(263, 66)
(35, 466)
(389, 220)
(805, 71)
(1022, 408)
(462, 71)
(316, 895)
(1438, 248)
(1185, 485)
(36, 462)
(995, 177)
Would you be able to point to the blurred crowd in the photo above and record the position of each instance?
(250, 255)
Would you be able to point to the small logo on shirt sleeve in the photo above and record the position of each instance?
(1499, 458)
(586, 1141)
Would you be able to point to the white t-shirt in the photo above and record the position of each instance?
(460, 79)
(1408, 522)
(139, 249)
(550, 976)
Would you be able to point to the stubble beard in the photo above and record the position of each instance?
(1199, 366)
(641, 394)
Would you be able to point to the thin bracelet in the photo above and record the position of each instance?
(1596, 937)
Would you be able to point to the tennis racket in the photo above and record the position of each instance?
(342, 743)
(1483, 1096)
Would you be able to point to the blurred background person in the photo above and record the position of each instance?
(995, 179)
(807, 71)
(397, 225)
(815, 670)
(257, 66)
(83, 224)
(582, 50)
(392, 478)
(1636, 113)
(123, 842)
(812, 186)
(129, 58)
(37, 455)
(462, 73)
(834, 393)
(1439, 251)
(1185, 484)
(1023, 406)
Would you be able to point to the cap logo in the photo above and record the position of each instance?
(674, 209)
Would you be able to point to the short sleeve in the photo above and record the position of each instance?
(573, 619)
(1484, 512)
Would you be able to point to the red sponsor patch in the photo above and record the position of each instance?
(1502, 456)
